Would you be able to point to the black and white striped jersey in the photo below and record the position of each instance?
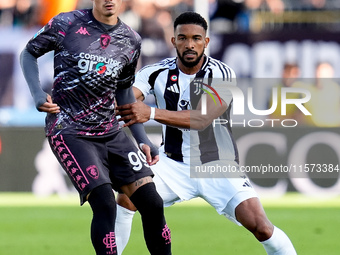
(176, 91)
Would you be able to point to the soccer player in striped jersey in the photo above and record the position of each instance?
(190, 138)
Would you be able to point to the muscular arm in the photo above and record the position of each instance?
(138, 112)
(190, 119)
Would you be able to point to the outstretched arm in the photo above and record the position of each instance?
(43, 101)
(126, 96)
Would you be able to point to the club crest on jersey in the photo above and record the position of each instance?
(105, 40)
(93, 172)
(198, 83)
(199, 89)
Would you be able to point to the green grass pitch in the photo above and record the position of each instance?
(54, 225)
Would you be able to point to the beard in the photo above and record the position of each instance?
(189, 63)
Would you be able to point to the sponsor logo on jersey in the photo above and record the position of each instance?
(102, 65)
(83, 31)
(184, 104)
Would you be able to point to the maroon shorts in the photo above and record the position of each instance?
(93, 161)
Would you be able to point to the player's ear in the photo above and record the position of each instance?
(173, 41)
(207, 40)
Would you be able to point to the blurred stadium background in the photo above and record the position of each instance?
(257, 38)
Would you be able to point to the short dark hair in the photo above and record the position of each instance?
(190, 18)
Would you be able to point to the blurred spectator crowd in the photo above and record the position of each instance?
(154, 17)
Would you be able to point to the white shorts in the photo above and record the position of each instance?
(174, 184)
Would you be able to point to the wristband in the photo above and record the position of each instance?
(152, 113)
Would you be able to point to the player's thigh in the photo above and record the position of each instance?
(124, 201)
(172, 180)
(225, 194)
(167, 194)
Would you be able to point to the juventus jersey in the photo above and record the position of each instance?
(176, 91)
(90, 63)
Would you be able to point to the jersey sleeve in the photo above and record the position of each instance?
(224, 86)
(49, 37)
(142, 81)
(127, 76)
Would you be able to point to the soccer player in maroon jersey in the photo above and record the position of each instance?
(95, 57)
